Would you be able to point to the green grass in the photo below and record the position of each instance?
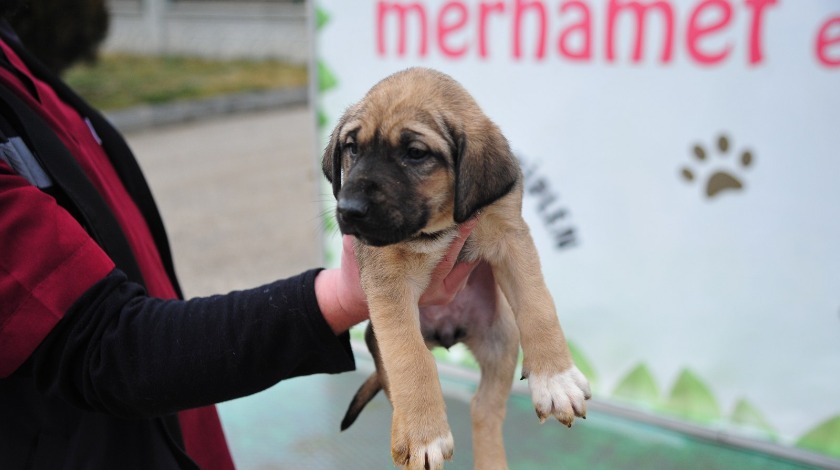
(119, 81)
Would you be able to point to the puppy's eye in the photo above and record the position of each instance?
(351, 148)
(416, 154)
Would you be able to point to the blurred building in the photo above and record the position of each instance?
(210, 28)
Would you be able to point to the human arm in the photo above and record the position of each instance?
(100, 342)
(121, 352)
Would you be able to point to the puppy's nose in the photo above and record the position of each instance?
(352, 208)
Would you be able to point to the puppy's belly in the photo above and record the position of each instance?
(471, 313)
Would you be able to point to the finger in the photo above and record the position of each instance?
(348, 256)
(351, 292)
(451, 257)
(464, 231)
(450, 276)
(458, 276)
(346, 244)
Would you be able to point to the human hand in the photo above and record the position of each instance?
(342, 300)
(450, 276)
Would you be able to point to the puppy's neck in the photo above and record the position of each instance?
(433, 242)
(433, 236)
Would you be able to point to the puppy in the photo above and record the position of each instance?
(408, 163)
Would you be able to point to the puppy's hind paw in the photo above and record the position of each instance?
(560, 395)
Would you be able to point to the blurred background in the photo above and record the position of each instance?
(680, 163)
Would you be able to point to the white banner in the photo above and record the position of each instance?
(682, 164)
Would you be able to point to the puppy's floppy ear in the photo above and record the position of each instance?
(485, 170)
(331, 160)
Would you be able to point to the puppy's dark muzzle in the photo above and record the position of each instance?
(356, 217)
(373, 224)
(353, 210)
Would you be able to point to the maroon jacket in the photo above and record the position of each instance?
(101, 364)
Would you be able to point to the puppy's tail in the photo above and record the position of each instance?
(366, 392)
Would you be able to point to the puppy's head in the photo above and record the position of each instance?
(415, 156)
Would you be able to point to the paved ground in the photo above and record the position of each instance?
(240, 198)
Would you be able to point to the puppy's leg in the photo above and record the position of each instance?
(495, 349)
(420, 434)
(557, 387)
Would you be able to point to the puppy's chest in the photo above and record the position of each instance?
(473, 311)
(459, 313)
(469, 315)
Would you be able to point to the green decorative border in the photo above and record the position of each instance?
(326, 81)
(689, 399)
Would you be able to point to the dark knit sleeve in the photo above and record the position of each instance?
(121, 352)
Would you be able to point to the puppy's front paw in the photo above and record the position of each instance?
(417, 446)
(560, 395)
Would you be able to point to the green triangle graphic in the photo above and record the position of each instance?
(638, 386)
(825, 437)
(326, 79)
(692, 399)
(747, 415)
(322, 118)
(321, 17)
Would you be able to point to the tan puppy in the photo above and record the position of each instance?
(414, 158)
